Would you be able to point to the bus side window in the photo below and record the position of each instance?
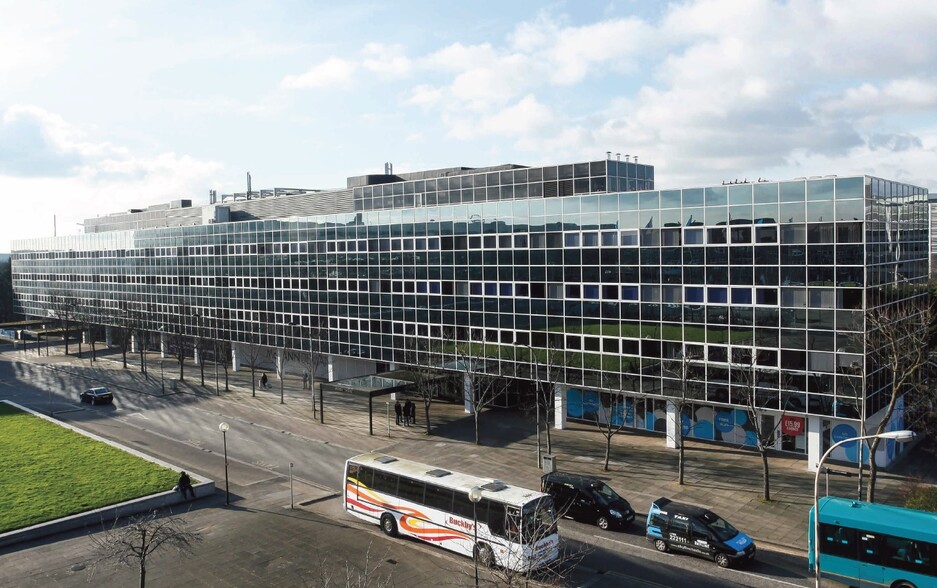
(411, 490)
(906, 554)
(438, 498)
(462, 506)
(838, 541)
(496, 515)
(385, 482)
(869, 549)
(365, 476)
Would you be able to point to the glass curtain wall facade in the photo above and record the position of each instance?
(769, 277)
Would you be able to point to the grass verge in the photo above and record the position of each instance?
(50, 472)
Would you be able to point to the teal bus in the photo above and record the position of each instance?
(864, 544)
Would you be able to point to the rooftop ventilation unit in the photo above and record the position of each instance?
(494, 486)
(438, 473)
(385, 459)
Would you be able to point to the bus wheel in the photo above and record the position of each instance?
(484, 555)
(903, 585)
(602, 523)
(388, 524)
(722, 560)
(660, 545)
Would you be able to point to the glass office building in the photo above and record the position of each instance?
(588, 261)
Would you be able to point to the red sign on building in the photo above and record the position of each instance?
(792, 425)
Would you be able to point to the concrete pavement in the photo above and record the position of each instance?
(726, 479)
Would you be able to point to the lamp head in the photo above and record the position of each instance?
(898, 435)
(475, 494)
(223, 427)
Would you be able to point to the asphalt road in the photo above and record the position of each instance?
(184, 429)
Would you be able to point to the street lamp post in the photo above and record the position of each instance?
(223, 427)
(475, 494)
(900, 436)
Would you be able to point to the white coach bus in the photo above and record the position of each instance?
(516, 527)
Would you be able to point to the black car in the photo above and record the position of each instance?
(587, 499)
(100, 395)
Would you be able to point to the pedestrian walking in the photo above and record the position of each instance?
(398, 411)
(185, 485)
(305, 380)
(263, 381)
(413, 413)
(407, 407)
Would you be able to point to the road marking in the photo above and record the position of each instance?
(766, 578)
(651, 549)
(759, 576)
(634, 580)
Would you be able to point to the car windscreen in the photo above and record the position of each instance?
(719, 526)
(604, 494)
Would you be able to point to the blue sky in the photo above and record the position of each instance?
(106, 106)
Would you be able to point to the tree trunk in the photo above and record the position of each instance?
(140, 348)
(66, 336)
(475, 410)
(142, 574)
(767, 479)
(201, 361)
(426, 417)
(608, 451)
(254, 382)
(873, 471)
(680, 463)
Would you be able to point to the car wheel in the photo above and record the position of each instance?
(602, 523)
(661, 545)
(722, 560)
(484, 555)
(389, 524)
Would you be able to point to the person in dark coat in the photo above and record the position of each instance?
(398, 411)
(413, 413)
(263, 381)
(407, 409)
(185, 485)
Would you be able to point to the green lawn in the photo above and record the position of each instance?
(49, 472)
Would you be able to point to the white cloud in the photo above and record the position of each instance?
(333, 72)
(55, 160)
(389, 61)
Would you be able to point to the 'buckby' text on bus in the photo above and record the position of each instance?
(516, 527)
(864, 544)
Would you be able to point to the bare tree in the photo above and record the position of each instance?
(764, 426)
(480, 371)
(424, 362)
(683, 388)
(144, 535)
(254, 354)
(609, 415)
(549, 366)
(63, 306)
(539, 572)
(897, 337)
(327, 571)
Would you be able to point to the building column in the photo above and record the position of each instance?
(674, 428)
(235, 358)
(559, 406)
(468, 394)
(163, 344)
(133, 343)
(109, 336)
(196, 356)
(280, 363)
(814, 442)
(86, 337)
(330, 365)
